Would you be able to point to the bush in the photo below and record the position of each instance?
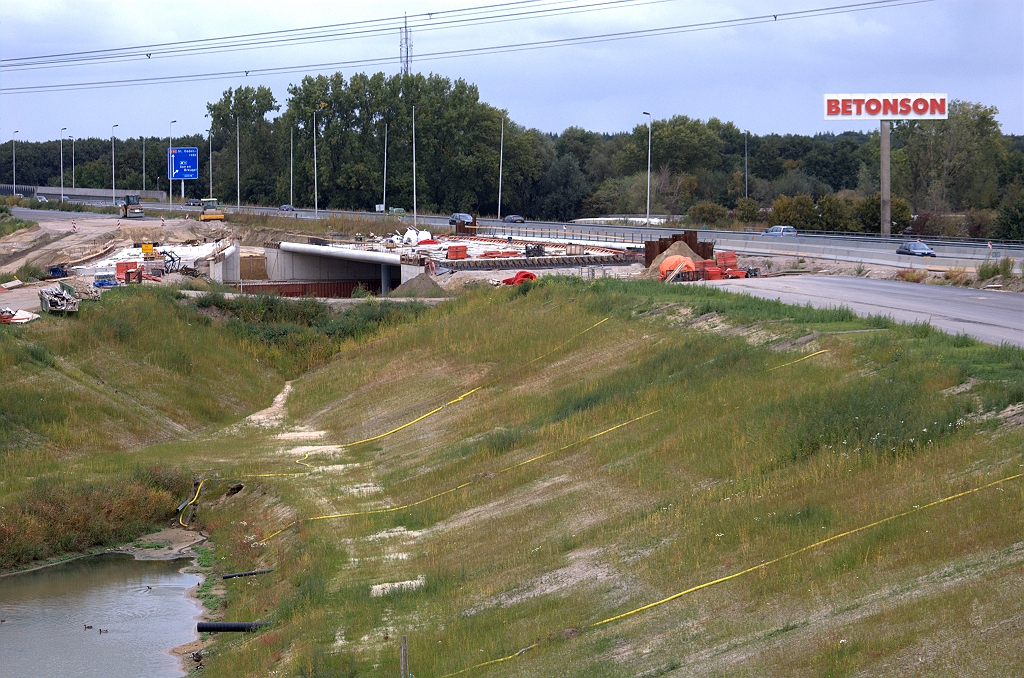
(28, 271)
(867, 213)
(1009, 223)
(957, 275)
(987, 270)
(747, 210)
(836, 214)
(914, 275)
(707, 212)
(1006, 265)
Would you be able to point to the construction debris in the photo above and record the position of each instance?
(422, 287)
(56, 300)
(677, 249)
(9, 316)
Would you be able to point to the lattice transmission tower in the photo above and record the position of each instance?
(405, 47)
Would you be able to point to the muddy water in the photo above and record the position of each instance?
(141, 603)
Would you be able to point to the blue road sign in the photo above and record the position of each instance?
(182, 163)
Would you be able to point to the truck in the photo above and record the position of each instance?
(131, 207)
(210, 210)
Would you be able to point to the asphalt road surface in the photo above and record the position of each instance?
(991, 316)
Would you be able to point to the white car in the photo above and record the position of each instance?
(780, 231)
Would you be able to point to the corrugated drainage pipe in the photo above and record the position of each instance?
(228, 627)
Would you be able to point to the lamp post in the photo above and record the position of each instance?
(650, 131)
(72, 162)
(291, 170)
(170, 167)
(384, 200)
(143, 163)
(210, 142)
(62, 163)
(501, 163)
(113, 173)
(746, 175)
(14, 166)
(414, 212)
(238, 168)
(316, 185)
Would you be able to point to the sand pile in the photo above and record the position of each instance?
(421, 287)
(680, 248)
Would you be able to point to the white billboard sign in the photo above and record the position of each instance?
(912, 106)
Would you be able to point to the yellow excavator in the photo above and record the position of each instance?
(210, 210)
(131, 208)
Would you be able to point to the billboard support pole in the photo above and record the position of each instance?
(886, 216)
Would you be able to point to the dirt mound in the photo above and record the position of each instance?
(422, 287)
(678, 248)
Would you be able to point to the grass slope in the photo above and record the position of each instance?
(738, 464)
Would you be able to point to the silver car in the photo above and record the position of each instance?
(780, 231)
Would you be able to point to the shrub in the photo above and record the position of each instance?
(914, 275)
(836, 214)
(748, 210)
(957, 275)
(1009, 223)
(707, 212)
(1006, 265)
(988, 269)
(866, 213)
(29, 271)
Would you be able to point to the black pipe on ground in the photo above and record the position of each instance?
(244, 574)
(228, 627)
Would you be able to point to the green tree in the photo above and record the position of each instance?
(747, 210)
(680, 143)
(707, 212)
(1009, 224)
(563, 188)
(952, 162)
(867, 214)
(836, 214)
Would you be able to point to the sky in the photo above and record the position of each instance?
(766, 77)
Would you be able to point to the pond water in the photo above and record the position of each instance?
(140, 603)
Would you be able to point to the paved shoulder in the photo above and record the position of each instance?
(991, 316)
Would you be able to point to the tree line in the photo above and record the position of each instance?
(707, 169)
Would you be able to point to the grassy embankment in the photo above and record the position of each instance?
(739, 464)
(10, 223)
(81, 395)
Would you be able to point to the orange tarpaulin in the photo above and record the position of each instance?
(672, 263)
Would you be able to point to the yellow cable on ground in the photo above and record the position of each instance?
(493, 661)
(466, 394)
(181, 514)
(809, 547)
(765, 564)
(824, 350)
(454, 489)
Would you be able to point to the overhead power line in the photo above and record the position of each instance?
(479, 51)
(473, 16)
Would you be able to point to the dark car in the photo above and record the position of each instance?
(780, 231)
(193, 202)
(460, 216)
(285, 208)
(514, 219)
(915, 249)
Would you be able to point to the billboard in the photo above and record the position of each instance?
(906, 106)
(182, 163)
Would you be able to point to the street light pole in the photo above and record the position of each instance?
(501, 163)
(746, 174)
(384, 200)
(143, 163)
(650, 132)
(72, 162)
(210, 141)
(14, 166)
(170, 168)
(414, 211)
(62, 163)
(238, 168)
(291, 170)
(316, 187)
(113, 173)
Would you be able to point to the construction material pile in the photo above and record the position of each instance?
(56, 300)
(677, 249)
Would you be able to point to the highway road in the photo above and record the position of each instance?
(991, 316)
(864, 248)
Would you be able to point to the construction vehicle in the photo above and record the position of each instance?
(210, 210)
(131, 207)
